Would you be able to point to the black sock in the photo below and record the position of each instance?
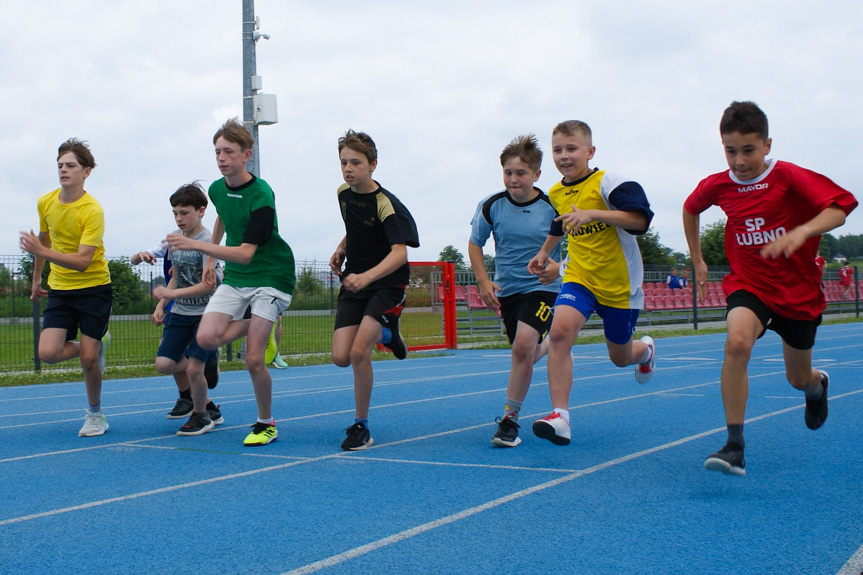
(735, 435)
(187, 394)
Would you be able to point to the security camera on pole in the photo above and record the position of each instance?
(258, 108)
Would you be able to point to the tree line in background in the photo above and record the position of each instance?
(653, 252)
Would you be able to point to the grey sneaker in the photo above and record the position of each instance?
(728, 460)
(182, 409)
(94, 424)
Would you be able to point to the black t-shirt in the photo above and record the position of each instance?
(374, 223)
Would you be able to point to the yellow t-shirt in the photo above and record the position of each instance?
(69, 226)
(603, 258)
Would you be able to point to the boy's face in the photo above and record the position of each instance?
(519, 178)
(571, 155)
(188, 218)
(356, 169)
(746, 154)
(72, 174)
(231, 158)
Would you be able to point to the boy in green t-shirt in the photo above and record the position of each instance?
(259, 267)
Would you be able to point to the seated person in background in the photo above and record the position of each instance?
(673, 281)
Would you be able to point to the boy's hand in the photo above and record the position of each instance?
(162, 292)
(146, 257)
(37, 292)
(354, 282)
(158, 317)
(785, 245)
(538, 264)
(700, 280)
(572, 221)
(336, 261)
(29, 242)
(487, 293)
(180, 242)
(550, 273)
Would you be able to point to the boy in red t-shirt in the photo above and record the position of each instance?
(771, 240)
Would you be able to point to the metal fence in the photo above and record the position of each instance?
(306, 327)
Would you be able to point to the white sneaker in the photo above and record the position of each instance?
(644, 371)
(94, 424)
(553, 428)
(103, 349)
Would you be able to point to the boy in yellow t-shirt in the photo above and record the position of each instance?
(71, 225)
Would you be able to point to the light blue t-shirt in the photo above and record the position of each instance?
(519, 232)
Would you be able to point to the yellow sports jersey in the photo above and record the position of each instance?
(604, 258)
(69, 226)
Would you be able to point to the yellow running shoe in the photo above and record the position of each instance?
(262, 434)
(272, 350)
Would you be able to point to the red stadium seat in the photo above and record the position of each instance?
(648, 303)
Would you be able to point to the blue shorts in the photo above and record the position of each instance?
(617, 323)
(178, 338)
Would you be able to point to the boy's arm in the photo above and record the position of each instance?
(171, 291)
(158, 316)
(832, 217)
(36, 289)
(487, 287)
(538, 264)
(397, 257)
(692, 230)
(40, 246)
(241, 254)
(627, 220)
(338, 257)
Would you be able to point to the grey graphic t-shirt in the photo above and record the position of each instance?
(188, 269)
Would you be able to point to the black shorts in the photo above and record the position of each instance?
(377, 303)
(533, 308)
(178, 339)
(797, 333)
(87, 308)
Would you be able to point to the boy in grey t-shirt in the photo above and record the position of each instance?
(179, 350)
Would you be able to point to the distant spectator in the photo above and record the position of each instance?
(673, 281)
(846, 277)
(820, 262)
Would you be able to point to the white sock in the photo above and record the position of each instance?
(564, 413)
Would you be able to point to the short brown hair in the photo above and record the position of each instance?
(80, 149)
(234, 131)
(526, 148)
(744, 118)
(191, 194)
(359, 142)
(572, 128)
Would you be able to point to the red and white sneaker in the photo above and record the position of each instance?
(553, 428)
(644, 371)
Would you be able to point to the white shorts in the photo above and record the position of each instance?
(266, 302)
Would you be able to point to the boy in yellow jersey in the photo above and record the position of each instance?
(71, 225)
(602, 213)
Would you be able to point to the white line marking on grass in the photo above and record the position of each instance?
(432, 525)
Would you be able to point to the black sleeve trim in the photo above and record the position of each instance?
(260, 226)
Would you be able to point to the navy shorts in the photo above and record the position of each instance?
(377, 303)
(178, 338)
(618, 323)
(87, 308)
(797, 333)
(533, 308)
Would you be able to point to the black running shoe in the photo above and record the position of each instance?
(211, 369)
(816, 409)
(215, 413)
(507, 433)
(397, 345)
(198, 424)
(358, 437)
(182, 409)
(728, 460)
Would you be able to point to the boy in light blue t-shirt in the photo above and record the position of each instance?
(519, 219)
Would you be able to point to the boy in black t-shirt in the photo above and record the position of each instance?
(374, 250)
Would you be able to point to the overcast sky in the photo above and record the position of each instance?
(441, 86)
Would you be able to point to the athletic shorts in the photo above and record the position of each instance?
(87, 308)
(377, 303)
(178, 338)
(533, 308)
(265, 302)
(797, 333)
(617, 323)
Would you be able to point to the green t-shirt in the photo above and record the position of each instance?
(273, 262)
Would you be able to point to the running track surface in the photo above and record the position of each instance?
(629, 495)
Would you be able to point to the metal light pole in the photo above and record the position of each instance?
(257, 108)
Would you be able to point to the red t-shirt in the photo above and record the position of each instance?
(846, 274)
(820, 262)
(760, 210)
